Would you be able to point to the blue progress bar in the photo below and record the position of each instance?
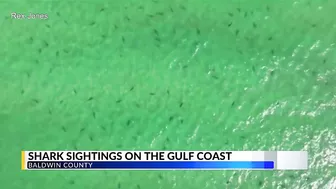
(151, 165)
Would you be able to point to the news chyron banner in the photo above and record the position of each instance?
(164, 160)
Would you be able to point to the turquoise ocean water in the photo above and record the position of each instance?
(169, 75)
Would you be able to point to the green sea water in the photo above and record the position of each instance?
(168, 75)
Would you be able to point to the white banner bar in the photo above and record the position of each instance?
(283, 160)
